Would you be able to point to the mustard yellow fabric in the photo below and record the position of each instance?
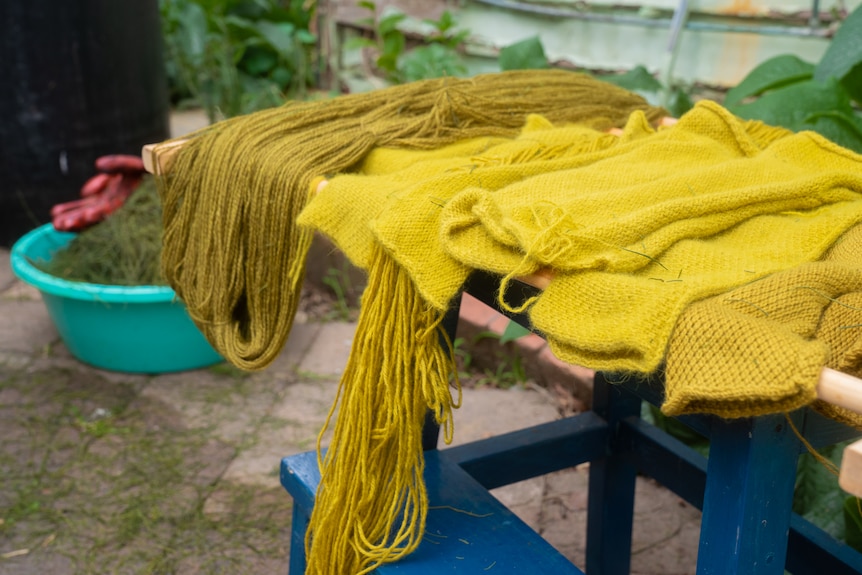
(760, 348)
(635, 228)
(649, 227)
(397, 196)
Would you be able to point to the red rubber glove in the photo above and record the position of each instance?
(101, 195)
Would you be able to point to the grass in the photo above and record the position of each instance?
(98, 481)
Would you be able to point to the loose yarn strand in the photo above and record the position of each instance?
(371, 504)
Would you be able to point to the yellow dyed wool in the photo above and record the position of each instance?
(371, 506)
(510, 173)
(760, 348)
(397, 196)
(654, 225)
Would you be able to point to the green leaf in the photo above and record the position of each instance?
(852, 523)
(843, 129)
(282, 76)
(512, 332)
(390, 23)
(393, 45)
(279, 36)
(388, 62)
(241, 28)
(852, 82)
(845, 50)
(527, 54)
(367, 5)
(193, 38)
(679, 103)
(770, 75)
(258, 60)
(637, 79)
(359, 42)
(792, 105)
(817, 496)
(432, 61)
(306, 37)
(444, 24)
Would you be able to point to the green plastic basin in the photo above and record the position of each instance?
(141, 329)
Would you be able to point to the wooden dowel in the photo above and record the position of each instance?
(158, 157)
(850, 477)
(840, 389)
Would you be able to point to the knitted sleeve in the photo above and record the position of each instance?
(761, 347)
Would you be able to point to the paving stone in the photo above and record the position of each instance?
(665, 532)
(36, 562)
(19, 290)
(302, 337)
(486, 412)
(6, 275)
(14, 360)
(328, 353)
(229, 405)
(291, 427)
(26, 326)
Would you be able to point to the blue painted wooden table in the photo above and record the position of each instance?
(745, 488)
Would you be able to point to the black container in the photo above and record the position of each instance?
(78, 79)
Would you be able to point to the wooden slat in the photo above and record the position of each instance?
(850, 477)
(840, 389)
(158, 157)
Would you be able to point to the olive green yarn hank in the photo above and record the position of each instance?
(232, 250)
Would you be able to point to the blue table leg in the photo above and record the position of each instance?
(612, 486)
(298, 528)
(750, 479)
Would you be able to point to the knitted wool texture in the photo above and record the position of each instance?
(760, 348)
(234, 255)
(635, 227)
(652, 225)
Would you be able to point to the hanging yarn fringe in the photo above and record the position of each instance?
(371, 504)
(232, 251)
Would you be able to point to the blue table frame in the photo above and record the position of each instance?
(745, 488)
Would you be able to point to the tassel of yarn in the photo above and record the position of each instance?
(231, 248)
(371, 504)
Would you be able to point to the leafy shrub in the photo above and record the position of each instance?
(237, 56)
(824, 97)
(436, 58)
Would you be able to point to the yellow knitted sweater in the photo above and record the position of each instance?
(635, 228)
